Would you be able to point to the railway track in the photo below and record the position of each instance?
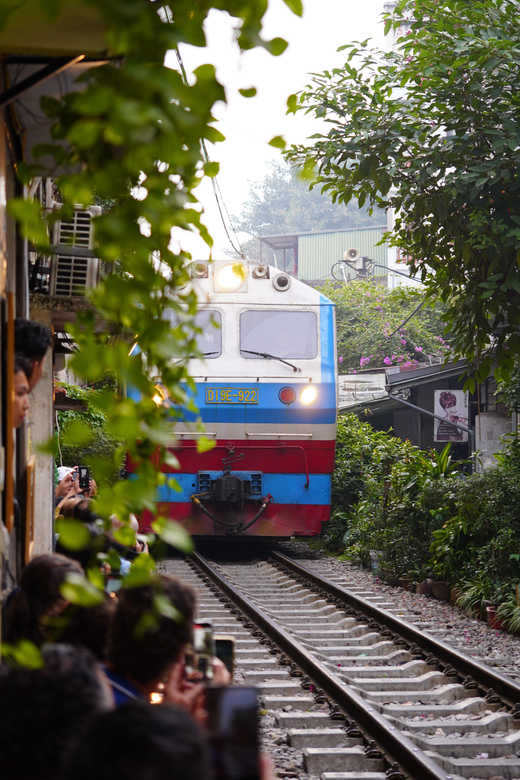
(362, 694)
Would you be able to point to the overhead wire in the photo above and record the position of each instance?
(221, 205)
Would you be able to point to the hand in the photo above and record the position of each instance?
(184, 694)
(221, 675)
(266, 767)
(68, 485)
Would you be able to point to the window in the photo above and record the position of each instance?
(209, 341)
(283, 334)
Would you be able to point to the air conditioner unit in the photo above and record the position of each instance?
(73, 269)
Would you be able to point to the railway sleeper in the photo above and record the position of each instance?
(467, 747)
(337, 759)
(484, 769)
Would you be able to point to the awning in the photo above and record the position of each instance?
(77, 29)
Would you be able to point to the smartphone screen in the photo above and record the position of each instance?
(233, 725)
(84, 477)
(198, 657)
(225, 650)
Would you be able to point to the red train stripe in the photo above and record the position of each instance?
(276, 521)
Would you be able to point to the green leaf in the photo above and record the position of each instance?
(73, 534)
(204, 444)
(166, 608)
(23, 654)
(278, 142)
(276, 46)
(295, 6)
(292, 104)
(173, 534)
(211, 169)
(248, 93)
(78, 590)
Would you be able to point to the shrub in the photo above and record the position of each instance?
(82, 436)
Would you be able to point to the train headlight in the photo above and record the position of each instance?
(230, 277)
(161, 396)
(308, 395)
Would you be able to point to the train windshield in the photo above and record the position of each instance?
(279, 334)
(209, 340)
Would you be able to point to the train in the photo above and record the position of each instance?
(266, 393)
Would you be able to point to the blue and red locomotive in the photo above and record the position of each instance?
(266, 393)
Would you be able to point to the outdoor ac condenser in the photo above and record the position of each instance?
(73, 273)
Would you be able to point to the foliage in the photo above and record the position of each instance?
(104, 453)
(282, 203)
(370, 329)
(422, 516)
(380, 492)
(432, 129)
(132, 137)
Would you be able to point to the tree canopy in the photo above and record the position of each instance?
(133, 137)
(377, 327)
(432, 130)
(283, 203)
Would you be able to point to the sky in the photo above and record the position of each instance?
(249, 123)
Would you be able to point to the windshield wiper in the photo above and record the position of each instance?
(268, 356)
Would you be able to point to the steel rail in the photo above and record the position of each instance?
(396, 747)
(484, 676)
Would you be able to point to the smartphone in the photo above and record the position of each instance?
(199, 655)
(225, 650)
(233, 726)
(84, 477)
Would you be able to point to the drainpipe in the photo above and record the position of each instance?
(419, 409)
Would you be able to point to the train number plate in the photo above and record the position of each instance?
(232, 395)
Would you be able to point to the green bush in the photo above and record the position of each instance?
(421, 517)
(82, 436)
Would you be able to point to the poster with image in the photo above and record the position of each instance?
(452, 406)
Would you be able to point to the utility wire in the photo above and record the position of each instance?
(214, 183)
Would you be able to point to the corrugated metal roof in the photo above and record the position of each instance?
(318, 252)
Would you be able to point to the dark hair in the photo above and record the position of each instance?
(21, 363)
(141, 741)
(32, 339)
(45, 710)
(447, 399)
(89, 626)
(38, 592)
(142, 653)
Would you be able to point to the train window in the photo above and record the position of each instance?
(284, 334)
(209, 340)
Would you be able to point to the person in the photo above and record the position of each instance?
(88, 626)
(32, 340)
(32, 607)
(146, 650)
(22, 374)
(44, 711)
(140, 740)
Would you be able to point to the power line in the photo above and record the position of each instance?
(221, 205)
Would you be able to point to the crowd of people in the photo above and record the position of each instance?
(84, 709)
(80, 685)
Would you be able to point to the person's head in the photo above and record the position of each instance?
(44, 711)
(22, 384)
(141, 741)
(89, 626)
(141, 649)
(38, 598)
(447, 400)
(32, 340)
